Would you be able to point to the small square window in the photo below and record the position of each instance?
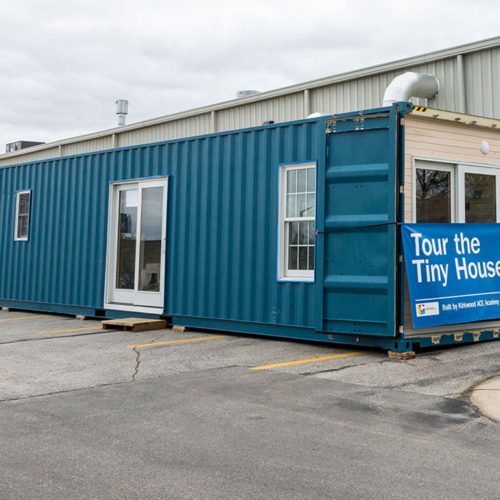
(22, 225)
(297, 210)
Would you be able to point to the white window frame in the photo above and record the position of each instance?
(16, 224)
(457, 187)
(443, 167)
(462, 169)
(284, 274)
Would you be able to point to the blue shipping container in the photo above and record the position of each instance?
(198, 230)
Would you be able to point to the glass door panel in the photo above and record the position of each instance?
(480, 197)
(127, 236)
(151, 239)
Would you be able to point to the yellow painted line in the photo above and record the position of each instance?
(309, 360)
(97, 327)
(24, 317)
(178, 341)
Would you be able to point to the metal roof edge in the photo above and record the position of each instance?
(321, 82)
(452, 116)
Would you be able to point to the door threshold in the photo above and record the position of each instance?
(132, 308)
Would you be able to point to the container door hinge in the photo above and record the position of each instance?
(331, 127)
(400, 258)
(360, 124)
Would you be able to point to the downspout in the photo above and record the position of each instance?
(411, 84)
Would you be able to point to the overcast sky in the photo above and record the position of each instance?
(63, 64)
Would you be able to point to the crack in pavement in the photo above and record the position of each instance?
(137, 363)
(64, 391)
(38, 339)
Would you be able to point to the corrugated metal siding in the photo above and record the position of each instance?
(280, 109)
(188, 127)
(87, 146)
(482, 83)
(44, 154)
(221, 229)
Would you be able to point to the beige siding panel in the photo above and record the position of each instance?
(44, 154)
(482, 83)
(176, 129)
(278, 109)
(97, 144)
(434, 139)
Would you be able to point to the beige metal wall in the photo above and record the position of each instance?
(435, 139)
(187, 127)
(469, 78)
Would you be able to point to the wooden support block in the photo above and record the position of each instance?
(78, 316)
(134, 324)
(401, 355)
(6, 309)
(178, 328)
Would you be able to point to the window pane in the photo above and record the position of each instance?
(292, 258)
(311, 233)
(24, 204)
(311, 258)
(151, 228)
(480, 198)
(310, 206)
(301, 180)
(291, 181)
(301, 205)
(127, 229)
(433, 196)
(303, 264)
(22, 226)
(291, 207)
(293, 230)
(311, 180)
(303, 236)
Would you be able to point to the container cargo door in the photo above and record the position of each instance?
(136, 246)
(358, 240)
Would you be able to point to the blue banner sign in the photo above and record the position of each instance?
(453, 272)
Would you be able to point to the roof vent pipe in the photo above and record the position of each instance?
(121, 110)
(411, 84)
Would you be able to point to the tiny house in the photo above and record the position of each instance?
(290, 230)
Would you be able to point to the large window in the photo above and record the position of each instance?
(297, 222)
(22, 225)
(456, 193)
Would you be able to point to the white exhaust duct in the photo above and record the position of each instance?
(411, 84)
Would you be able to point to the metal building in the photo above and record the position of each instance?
(469, 77)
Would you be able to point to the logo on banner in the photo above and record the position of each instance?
(428, 309)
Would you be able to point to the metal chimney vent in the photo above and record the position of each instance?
(121, 110)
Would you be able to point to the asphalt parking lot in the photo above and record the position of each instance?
(93, 413)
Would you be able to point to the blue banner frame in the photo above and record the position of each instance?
(453, 272)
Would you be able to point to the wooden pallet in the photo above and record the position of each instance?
(401, 355)
(135, 324)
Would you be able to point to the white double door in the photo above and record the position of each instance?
(135, 277)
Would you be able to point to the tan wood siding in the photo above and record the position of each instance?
(433, 139)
